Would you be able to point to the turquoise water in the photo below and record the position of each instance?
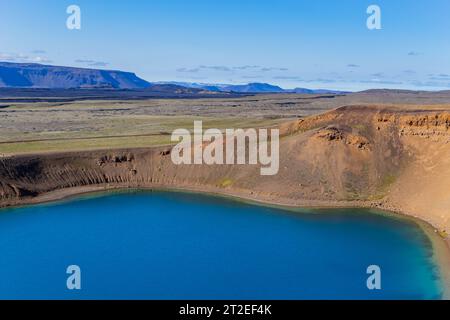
(170, 245)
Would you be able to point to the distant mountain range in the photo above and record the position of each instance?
(255, 87)
(33, 75)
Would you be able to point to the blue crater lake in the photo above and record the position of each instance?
(173, 245)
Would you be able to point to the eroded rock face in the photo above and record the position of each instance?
(120, 157)
(344, 154)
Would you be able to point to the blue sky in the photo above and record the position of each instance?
(313, 44)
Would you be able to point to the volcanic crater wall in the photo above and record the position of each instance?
(359, 153)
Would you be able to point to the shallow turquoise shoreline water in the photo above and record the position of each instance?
(171, 245)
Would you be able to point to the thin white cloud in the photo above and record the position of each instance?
(92, 63)
(266, 69)
(287, 78)
(23, 58)
(247, 67)
(434, 84)
(219, 68)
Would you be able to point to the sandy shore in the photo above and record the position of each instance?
(441, 246)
